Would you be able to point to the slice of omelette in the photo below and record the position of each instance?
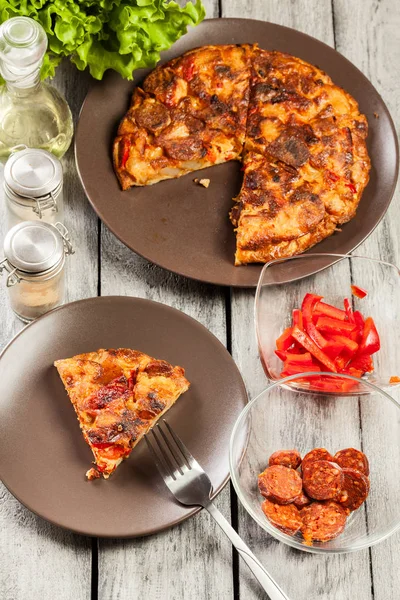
(118, 395)
(305, 160)
(190, 114)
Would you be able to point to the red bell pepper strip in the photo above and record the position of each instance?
(394, 379)
(306, 341)
(359, 320)
(126, 146)
(362, 362)
(353, 371)
(349, 310)
(333, 348)
(292, 369)
(351, 187)
(370, 342)
(330, 311)
(307, 308)
(299, 359)
(298, 318)
(281, 354)
(335, 326)
(285, 340)
(349, 345)
(330, 384)
(359, 292)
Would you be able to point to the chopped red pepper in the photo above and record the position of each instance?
(126, 146)
(370, 342)
(330, 311)
(332, 176)
(285, 340)
(303, 339)
(188, 70)
(349, 310)
(333, 349)
(345, 346)
(300, 359)
(307, 308)
(293, 369)
(359, 292)
(102, 445)
(298, 318)
(394, 379)
(335, 326)
(349, 345)
(351, 187)
(281, 354)
(362, 362)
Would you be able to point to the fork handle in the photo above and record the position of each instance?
(270, 586)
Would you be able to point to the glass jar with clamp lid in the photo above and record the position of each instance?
(33, 187)
(34, 261)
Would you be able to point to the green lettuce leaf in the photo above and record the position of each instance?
(99, 35)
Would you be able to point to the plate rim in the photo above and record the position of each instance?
(194, 510)
(289, 30)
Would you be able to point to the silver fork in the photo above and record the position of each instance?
(190, 485)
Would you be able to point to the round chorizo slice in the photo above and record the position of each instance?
(350, 458)
(285, 518)
(286, 458)
(322, 479)
(355, 489)
(301, 500)
(322, 521)
(280, 484)
(317, 454)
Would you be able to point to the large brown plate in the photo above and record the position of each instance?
(184, 227)
(43, 454)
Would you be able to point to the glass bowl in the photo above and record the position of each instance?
(275, 302)
(282, 419)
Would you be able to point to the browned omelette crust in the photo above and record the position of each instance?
(301, 138)
(190, 114)
(305, 159)
(118, 395)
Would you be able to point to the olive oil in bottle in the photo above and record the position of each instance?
(32, 113)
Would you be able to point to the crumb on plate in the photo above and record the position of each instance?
(204, 182)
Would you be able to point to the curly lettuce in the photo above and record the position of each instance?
(106, 34)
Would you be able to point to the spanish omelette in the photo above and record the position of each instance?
(301, 138)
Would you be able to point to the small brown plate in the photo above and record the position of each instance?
(182, 226)
(43, 454)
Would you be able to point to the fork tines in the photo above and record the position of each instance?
(170, 454)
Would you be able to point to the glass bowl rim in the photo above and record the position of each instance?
(286, 539)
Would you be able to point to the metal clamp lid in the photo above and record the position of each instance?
(33, 173)
(68, 248)
(12, 277)
(34, 247)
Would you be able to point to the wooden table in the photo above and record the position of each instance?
(195, 561)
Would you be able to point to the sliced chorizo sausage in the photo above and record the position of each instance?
(322, 479)
(355, 489)
(285, 518)
(322, 521)
(286, 458)
(301, 500)
(317, 454)
(280, 484)
(350, 458)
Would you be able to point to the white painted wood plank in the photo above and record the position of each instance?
(193, 560)
(368, 33)
(39, 560)
(300, 575)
